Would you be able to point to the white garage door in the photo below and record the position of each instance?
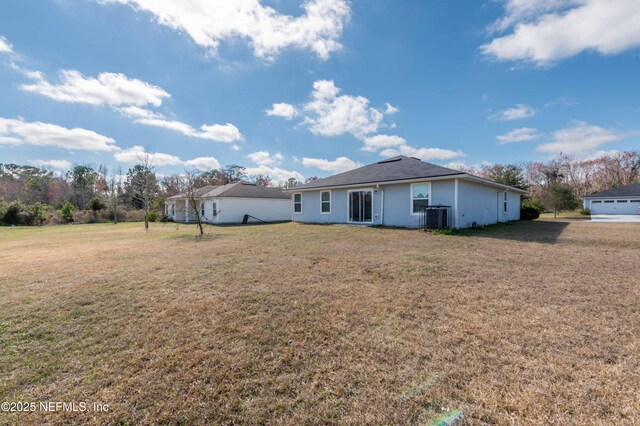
(616, 206)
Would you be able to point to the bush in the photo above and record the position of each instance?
(67, 211)
(530, 210)
(152, 216)
(96, 204)
(14, 213)
(585, 212)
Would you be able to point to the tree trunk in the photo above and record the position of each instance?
(146, 216)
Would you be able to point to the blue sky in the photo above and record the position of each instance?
(318, 87)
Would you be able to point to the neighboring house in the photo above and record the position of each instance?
(230, 203)
(623, 200)
(394, 192)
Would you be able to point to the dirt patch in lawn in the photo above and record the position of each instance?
(532, 323)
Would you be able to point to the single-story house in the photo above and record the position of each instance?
(395, 192)
(623, 200)
(230, 203)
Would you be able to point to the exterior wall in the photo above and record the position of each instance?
(513, 206)
(477, 203)
(398, 204)
(233, 209)
(339, 207)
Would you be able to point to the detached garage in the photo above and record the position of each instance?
(624, 200)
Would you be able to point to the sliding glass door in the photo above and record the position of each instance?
(360, 206)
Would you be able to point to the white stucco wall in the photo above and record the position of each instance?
(232, 210)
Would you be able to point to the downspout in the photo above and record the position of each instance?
(381, 206)
(455, 204)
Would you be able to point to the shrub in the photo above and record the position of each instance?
(14, 213)
(38, 214)
(152, 216)
(585, 212)
(96, 204)
(67, 211)
(530, 210)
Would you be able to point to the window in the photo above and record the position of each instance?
(215, 209)
(596, 202)
(608, 201)
(297, 203)
(325, 202)
(504, 203)
(635, 201)
(419, 197)
(621, 201)
(173, 209)
(202, 209)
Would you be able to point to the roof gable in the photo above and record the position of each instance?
(393, 169)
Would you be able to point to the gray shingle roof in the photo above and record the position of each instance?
(393, 169)
(238, 190)
(623, 191)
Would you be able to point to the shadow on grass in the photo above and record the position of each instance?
(545, 232)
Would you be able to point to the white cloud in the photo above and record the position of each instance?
(284, 110)
(111, 89)
(546, 31)
(236, 148)
(373, 143)
(209, 22)
(5, 46)
(339, 165)
(522, 134)
(581, 139)
(52, 164)
(277, 174)
(20, 132)
(519, 112)
(203, 163)
(422, 153)
(391, 109)
(331, 115)
(225, 133)
(136, 154)
(264, 158)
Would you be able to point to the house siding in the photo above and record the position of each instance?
(476, 203)
(233, 209)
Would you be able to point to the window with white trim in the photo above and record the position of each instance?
(202, 209)
(608, 201)
(297, 203)
(504, 203)
(325, 202)
(596, 202)
(419, 197)
(621, 201)
(215, 209)
(635, 201)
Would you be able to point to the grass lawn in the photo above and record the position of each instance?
(530, 323)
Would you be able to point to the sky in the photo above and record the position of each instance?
(312, 88)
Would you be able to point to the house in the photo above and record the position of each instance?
(230, 203)
(623, 200)
(395, 192)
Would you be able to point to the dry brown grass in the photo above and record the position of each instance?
(533, 323)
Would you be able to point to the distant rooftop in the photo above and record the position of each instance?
(623, 191)
(237, 189)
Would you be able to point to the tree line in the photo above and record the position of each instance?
(32, 195)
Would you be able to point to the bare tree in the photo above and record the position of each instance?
(144, 184)
(191, 185)
(115, 186)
